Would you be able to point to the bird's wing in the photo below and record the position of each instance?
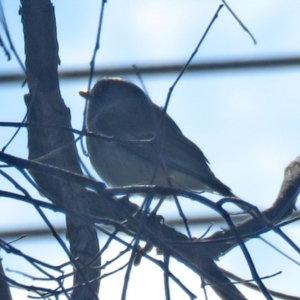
(171, 149)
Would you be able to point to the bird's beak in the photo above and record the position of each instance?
(85, 94)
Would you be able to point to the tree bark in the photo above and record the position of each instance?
(54, 146)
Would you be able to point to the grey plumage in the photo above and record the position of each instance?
(147, 146)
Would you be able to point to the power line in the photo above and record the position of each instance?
(45, 231)
(209, 66)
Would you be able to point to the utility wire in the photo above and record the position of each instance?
(203, 67)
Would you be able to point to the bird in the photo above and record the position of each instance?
(134, 142)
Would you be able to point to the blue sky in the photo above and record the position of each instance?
(245, 122)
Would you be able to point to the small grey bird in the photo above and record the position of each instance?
(146, 145)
